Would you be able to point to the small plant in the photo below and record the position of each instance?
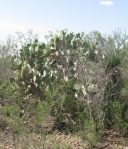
(13, 115)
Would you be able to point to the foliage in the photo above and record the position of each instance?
(78, 79)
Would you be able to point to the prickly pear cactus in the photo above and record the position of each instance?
(39, 65)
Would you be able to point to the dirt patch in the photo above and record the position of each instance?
(111, 140)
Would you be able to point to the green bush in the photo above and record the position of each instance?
(75, 78)
(114, 115)
(13, 115)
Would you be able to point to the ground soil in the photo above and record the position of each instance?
(110, 140)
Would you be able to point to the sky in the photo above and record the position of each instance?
(50, 15)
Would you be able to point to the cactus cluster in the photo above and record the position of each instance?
(38, 65)
(61, 59)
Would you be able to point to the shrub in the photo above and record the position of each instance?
(75, 78)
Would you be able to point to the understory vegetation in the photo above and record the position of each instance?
(71, 82)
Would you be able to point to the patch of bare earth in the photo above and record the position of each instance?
(111, 140)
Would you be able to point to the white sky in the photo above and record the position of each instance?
(10, 28)
(106, 2)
